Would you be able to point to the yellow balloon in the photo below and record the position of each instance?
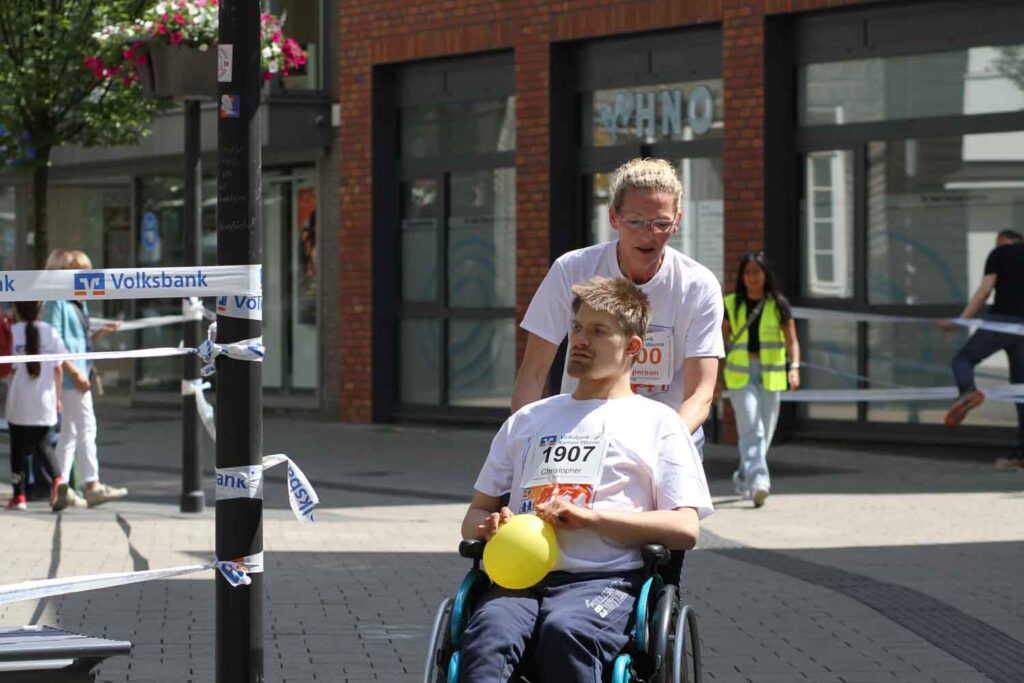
(521, 553)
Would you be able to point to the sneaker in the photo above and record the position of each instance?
(102, 493)
(1015, 463)
(75, 499)
(759, 497)
(739, 487)
(17, 503)
(58, 494)
(963, 405)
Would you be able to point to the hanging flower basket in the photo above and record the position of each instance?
(171, 51)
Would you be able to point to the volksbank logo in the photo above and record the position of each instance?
(222, 304)
(94, 284)
(7, 284)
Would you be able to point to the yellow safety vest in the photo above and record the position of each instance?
(773, 347)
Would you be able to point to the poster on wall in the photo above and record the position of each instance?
(306, 273)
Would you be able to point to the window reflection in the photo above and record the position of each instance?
(827, 219)
(978, 80)
(934, 208)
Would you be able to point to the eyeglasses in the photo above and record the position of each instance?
(660, 225)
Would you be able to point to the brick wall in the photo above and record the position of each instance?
(376, 32)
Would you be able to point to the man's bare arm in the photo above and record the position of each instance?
(676, 529)
(481, 508)
(699, 378)
(977, 302)
(533, 372)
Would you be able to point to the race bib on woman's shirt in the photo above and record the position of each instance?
(566, 467)
(653, 367)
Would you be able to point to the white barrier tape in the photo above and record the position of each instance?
(848, 316)
(100, 355)
(1010, 393)
(241, 306)
(247, 482)
(235, 571)
(191, 309)
(129, 283)
(195, 387)
(247, 349)
(45, 588)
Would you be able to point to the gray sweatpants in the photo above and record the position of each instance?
(570, 627)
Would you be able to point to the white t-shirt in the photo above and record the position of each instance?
(650, 463)
(686, 314)
(32, 401)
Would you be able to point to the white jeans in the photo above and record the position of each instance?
(78, 433)
(757, 412)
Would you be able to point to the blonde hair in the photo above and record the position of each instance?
(656, 175)
(55, 261)
(619, 298)
(76, 260)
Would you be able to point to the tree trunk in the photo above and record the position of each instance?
(40, 186)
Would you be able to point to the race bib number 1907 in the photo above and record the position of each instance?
(566, 467)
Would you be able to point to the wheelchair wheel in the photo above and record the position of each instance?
(434, 669)
(686, 664)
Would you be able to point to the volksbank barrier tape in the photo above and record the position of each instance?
(191, 309)
(236, 572)
(249, 349)
(247, 482)
(100, 355)
(129, 283)
(849, 316)
(1007, 392)
(240, 306)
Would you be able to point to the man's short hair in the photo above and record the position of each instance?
(617, 297)
(1011, 235)
(657, 175)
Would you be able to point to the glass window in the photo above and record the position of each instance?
(827, 217)
(419, 342)
(8, 228)
(97, 220)
(482, 239)
(657, 113)
(458, 128)
(978, 80)
(934, 209)
(482, 366)
(700, 233)
(303, 24)
(420, 207)
(829, 353)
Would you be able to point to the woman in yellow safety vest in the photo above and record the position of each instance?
(755, 368)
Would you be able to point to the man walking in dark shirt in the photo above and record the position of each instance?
(1004, 272)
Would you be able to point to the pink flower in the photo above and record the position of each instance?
(128, 53)
(161, 29)
(277, 38)
(176, 38)
(267, 75)
(141, 59)
(91, 62)
(180, 19)
(127, 80)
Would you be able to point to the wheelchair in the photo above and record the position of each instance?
(664, 646)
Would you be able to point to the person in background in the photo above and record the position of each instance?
(33, 399)
(77, 440)
(759, 332)
(1004, 273)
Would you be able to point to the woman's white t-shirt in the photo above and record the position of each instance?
(32, 401)
(686, 314)
(649, 463)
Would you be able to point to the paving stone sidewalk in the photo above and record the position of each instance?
(863, 566)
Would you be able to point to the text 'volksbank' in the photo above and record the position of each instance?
(96, 283)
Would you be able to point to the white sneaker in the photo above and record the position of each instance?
(760, 496)
(739, 487)
(102, 493)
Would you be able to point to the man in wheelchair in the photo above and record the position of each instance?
(611, 471)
